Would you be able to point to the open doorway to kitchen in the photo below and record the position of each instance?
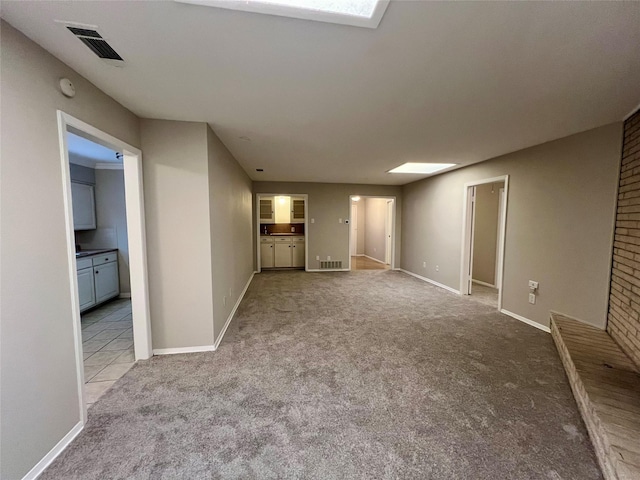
(104, 215)
(282, 240)
(371, 232)
(483, 243)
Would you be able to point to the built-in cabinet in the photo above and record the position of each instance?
(266, 252)
(281, 209)
(84, 206)
(282, 252)
(97, 279)
(267, 211)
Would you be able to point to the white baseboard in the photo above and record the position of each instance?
(173, 351)
(53, 453)
(124, 295)
(375, 259)
(428, 280)
(233, 312)
(526, 320)
(480, 282)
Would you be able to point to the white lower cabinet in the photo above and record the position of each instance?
(97, 279)
(266, 253)
(106, 281)
(283, 254)
(86, 289)
(297, 254)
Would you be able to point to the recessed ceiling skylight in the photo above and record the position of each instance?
(423, 168)
(359, 13)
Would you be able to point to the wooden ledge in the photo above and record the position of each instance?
(606, 385)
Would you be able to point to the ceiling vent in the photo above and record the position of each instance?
(92, 39)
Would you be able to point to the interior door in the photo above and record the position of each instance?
(388, 232)
(354, 229)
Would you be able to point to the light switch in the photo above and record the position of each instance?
(313, 220)
(532, 298)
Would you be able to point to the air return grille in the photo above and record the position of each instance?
(330, 264)
(96, 43)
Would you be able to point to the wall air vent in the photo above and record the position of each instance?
(98, 45)
(330, 264)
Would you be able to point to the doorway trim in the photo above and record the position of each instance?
(258, 268)
(466, 256)
(136, 237)
(394, 214)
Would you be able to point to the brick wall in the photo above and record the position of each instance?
(624, 302)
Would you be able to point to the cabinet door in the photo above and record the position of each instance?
(106, 281)
(266, 210)
(282, 255)
(84, 206)
(266, 255)
(298, 254)
(297, 210)
(86, 289)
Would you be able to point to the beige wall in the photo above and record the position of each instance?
(485, 240)
(39, 391)
(230, 203)
(176, 195)
(374, 229)
(560, 220)
(327, 203)
(111, 220)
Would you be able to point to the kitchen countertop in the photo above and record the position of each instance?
(88, 253)
(282, 235)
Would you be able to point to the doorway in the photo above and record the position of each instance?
(484, 224)
(371, 233)
(94, 273)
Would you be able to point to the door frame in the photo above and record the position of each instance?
(353, 241)
(258, 268)
(388, 231)
(394, 214)
(466, 256)
(136, 237)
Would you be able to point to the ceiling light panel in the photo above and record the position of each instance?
(422, 168)
(358, 13)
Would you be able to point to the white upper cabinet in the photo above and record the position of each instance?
(297, 210)
(266, 210)
(84, 206)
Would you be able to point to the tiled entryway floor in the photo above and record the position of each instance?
(107, 343)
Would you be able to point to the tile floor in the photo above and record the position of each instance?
(107, 343)
(484, 294)
(365, 263)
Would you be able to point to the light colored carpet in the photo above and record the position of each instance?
(361, 375)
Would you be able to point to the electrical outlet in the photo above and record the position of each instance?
(317, 257)
(328, 257)
(224, 301)
(424, 264)
(437, 268)
(230, 292)
(532, 298)
(375, 249)
(339, 220)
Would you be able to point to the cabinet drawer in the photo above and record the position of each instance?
(298, 239)
(283, 239)
(266, 239)
(105, 258)
(82, 263)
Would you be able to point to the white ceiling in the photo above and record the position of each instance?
(87, 153)
(456, 82)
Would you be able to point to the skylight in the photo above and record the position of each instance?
(423, 168)
(358, 13)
